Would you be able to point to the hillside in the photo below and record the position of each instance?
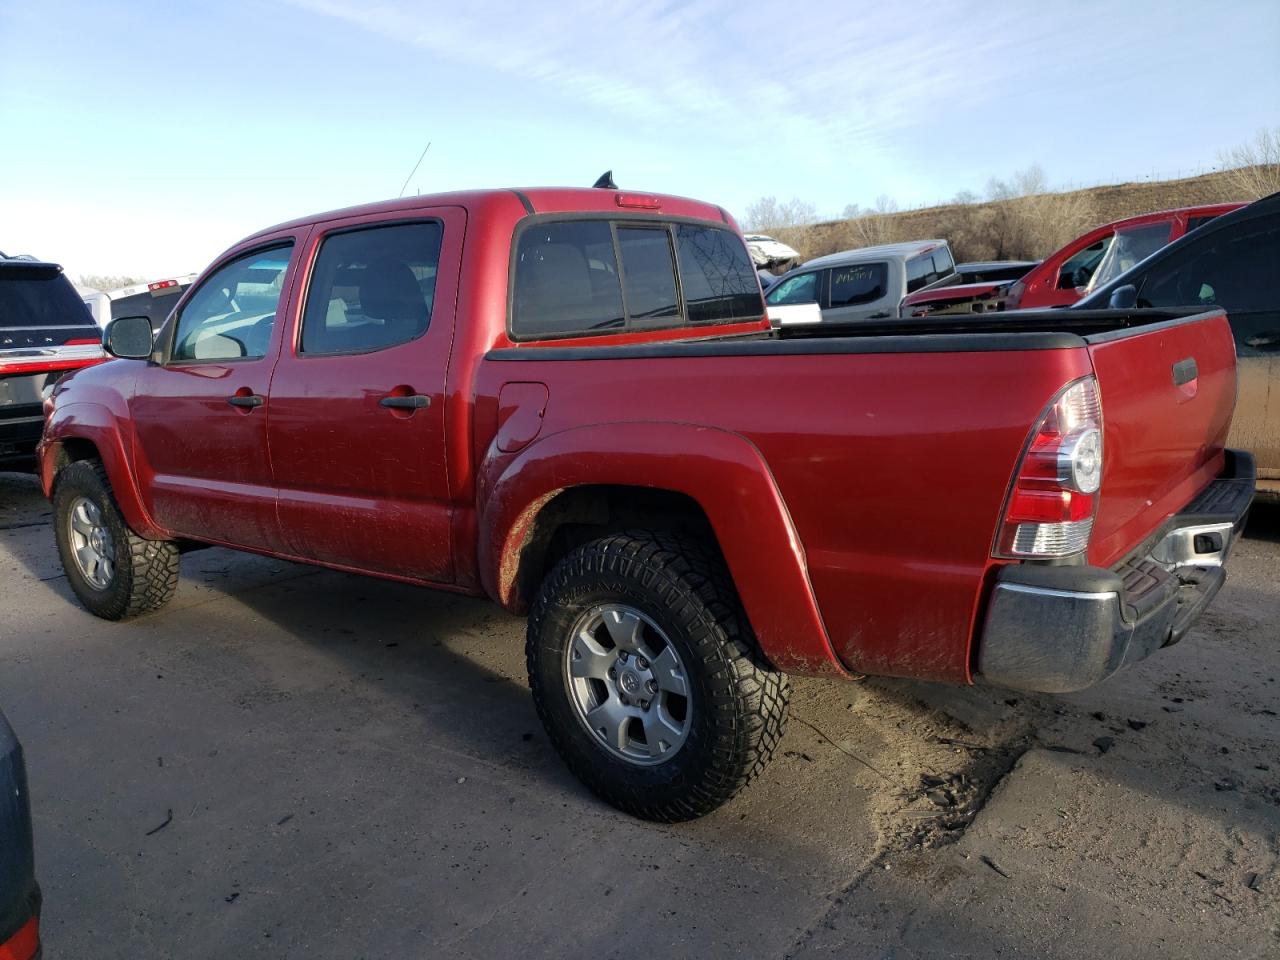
(1024, 227)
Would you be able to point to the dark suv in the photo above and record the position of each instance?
(45, 330)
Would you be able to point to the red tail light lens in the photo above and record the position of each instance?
(639, 200)
(1054, 498)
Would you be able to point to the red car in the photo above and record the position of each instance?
(571, 401)
(1080, 267)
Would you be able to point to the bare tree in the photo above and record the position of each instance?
(1253, 168)
(96, 281)
(768, 214)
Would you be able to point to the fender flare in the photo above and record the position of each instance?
(95, 423)
(723, 472)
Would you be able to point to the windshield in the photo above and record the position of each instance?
(1130, 247)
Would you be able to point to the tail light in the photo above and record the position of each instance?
(1055, 491)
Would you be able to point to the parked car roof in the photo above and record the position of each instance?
(882, 252)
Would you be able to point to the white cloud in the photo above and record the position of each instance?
(845, 76)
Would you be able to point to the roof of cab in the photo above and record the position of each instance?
(532, 200)
(886, 251)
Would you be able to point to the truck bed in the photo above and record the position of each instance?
(893, 445)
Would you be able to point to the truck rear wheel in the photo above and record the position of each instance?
(114, 572)
(647, 678)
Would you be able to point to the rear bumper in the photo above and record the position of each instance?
(1055, 629)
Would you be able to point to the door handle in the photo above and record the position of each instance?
(251, 400)
(414, 401)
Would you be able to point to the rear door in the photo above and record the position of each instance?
(860, 291)
(357, 425)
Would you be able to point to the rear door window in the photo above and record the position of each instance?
(371, 288)
(858, 283)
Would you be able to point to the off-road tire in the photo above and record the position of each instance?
(146, 571)
(739, 701)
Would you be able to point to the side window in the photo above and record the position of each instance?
(649, 274)
(566, 280)
(371, 288)
(798, 289)
(943, 262)
(231, 315)
(1233, 269)
(719, 281)
(859, 283)
(1078, 269)
(1194, 222)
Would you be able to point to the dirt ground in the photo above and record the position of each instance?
(288, 762)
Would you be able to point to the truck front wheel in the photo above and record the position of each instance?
(114, 572)
(647, 678)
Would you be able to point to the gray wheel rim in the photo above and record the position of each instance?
(92, 546)
(628, 685)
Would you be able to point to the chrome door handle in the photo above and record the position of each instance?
(413, 402)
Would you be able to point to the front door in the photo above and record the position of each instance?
(200, 414)
(357, 425)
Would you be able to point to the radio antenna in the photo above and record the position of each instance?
(413, 171)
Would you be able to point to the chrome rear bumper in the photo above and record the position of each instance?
(1056, 629)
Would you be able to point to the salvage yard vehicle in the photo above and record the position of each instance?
(153, 299)
(45, 331)
(868, 283)
(19, 892)
(1072, 272)
(572, 401)
(1233, 263)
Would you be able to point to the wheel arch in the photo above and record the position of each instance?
(84, 431)
(591, 481)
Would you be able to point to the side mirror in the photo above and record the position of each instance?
(1124, 298)
(129, 338)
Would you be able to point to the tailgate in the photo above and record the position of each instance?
(1168, 391)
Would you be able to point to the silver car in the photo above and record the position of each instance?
(864, 284)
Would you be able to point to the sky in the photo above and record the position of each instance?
(145, 138)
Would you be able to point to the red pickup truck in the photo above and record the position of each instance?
(571, 401)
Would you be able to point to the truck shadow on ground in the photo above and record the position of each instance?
(451, 669)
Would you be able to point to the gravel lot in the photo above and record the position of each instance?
(288, 762)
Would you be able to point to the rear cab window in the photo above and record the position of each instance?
(583, 277)
(925, 268)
